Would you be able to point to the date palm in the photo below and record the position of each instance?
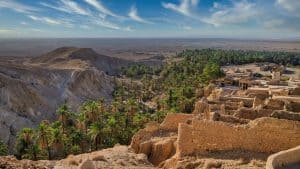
(95, 132)
(90, 110)
(43, 137)
(63, 115)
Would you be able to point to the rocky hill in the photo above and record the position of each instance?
(32, 88)
(79, 58)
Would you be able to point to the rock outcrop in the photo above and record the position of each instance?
(120, 157)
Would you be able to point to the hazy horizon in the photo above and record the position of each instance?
(124, 46)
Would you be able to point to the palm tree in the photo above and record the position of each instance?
(95, 132)
(81, 123)
(27, 135)
(64, 114)
(43, 137)
(57, 141)
(90, 110)
(3, 149)
(78, 139)
(25, 144)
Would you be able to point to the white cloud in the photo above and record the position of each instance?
(133, 14)
(128, 29)
(107, 24)
(183, 8)
(46, 20)
(24, 23)
(187, 28)
(18, 7)
(240, 12)
(100, 7)
(67, 6)
(290, 5)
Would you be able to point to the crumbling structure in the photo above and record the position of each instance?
(246, 115)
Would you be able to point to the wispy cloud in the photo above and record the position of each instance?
(240, 12)
(106, 24)
(291, 6)
(100, 7)
(68, 7)
(133, 14)
(24, 23)
(50, 21)
(16, 6)
(187, 28)
(183, 8)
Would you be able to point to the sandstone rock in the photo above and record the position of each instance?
(87, 164)
(162, 150)
(143, 135)
(285, 159)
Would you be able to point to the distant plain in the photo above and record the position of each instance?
(136, 49)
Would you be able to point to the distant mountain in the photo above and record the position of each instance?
(74, 58)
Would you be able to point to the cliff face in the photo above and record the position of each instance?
(31, 89)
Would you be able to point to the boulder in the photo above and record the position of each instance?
(284, 159)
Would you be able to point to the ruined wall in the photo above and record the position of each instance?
(172, 120)
(249, 113)
(261, 135)
(274, 104)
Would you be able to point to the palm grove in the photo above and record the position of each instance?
(149, 95)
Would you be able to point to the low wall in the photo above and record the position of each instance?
(284, 158)
(250, 113)
(172, 120)
(261, 135)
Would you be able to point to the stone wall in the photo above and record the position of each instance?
(171, 121)
(261, 135)
(249, 113)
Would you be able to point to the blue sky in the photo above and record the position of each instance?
(150, 18)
